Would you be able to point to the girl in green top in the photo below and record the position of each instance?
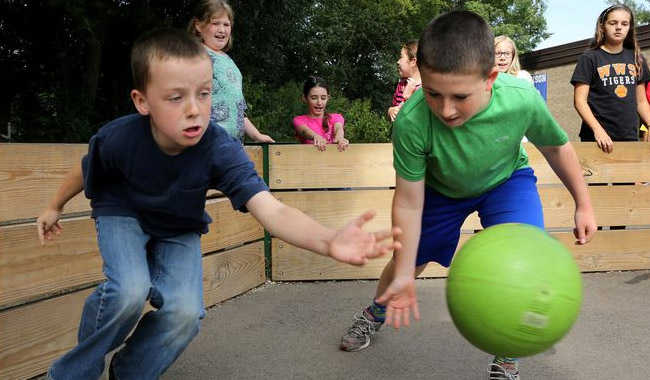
(212, 23)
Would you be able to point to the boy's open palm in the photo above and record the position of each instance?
(353, 245)
(400, 299)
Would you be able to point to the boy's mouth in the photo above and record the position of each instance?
(192, 132)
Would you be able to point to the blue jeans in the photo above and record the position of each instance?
(138, 268)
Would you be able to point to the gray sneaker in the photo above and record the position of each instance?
(358, 335)
(507, 370)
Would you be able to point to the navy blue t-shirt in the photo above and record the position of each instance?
(126, 174)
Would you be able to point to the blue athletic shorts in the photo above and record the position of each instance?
(514, 201)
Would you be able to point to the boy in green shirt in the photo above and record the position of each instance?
(457, 150)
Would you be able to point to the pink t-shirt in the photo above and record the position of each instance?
(316, 125)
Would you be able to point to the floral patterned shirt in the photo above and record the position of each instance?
(228, 103)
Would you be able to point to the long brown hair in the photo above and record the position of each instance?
(630, 41)
(310, 83)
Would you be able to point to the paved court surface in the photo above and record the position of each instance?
(291, 331)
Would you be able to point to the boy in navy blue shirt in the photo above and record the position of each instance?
(147, 176)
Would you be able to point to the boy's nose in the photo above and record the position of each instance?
(448, 109)
(193, 108)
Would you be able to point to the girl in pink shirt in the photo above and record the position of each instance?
(319, 127)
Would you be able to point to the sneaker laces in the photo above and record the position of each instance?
(497, 372)
(362, 326)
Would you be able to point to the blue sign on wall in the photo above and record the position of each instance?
(539, 80)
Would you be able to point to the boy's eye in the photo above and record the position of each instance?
(460, 97)
(204, 94)
(433, 94)
(175, 98)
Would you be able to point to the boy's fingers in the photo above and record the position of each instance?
(389, 316)
(41, 232)
(416, 312)
(580, 235)
(381, 235)
(364, 218)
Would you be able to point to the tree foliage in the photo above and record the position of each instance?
(640, 8)
(64, 64)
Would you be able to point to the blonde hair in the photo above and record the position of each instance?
(515, 66)
(205, 10)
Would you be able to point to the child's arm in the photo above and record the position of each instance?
(400, 297)
(254, 133)
(642, 106)
(350, 244)
(580, 95)
(409, 89)
(392, 111)
(341, 141)
(47, 224)
(306, 132)
(564, 162)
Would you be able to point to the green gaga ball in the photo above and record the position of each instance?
(513, 290)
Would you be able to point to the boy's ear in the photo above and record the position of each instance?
(492, 76)
(140, 102)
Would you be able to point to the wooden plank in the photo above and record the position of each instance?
(370, 165)
(613, 206)
(303, 166)
(609, 250)
(289, 263)
(628, 163)
(29, 271)
(31, 173)
(229, 228)
(335, 208)
(34, 335)
(230, 273)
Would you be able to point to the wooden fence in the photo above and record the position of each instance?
(42, 289)
(297, 175)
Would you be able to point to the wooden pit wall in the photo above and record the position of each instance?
(363, 178)
(42, 289)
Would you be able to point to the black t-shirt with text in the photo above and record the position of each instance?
(612, 80)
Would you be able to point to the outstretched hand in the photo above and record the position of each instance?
(400, 300)
(353, 245)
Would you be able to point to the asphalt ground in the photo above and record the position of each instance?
(292, 330)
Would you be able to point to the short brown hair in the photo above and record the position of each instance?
(457, 42)
(161, 44)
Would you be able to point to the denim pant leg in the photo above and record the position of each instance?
(177, 294)
(112, 311)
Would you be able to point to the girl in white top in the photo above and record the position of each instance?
(506, 58)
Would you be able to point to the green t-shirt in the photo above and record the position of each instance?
(469, 160)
